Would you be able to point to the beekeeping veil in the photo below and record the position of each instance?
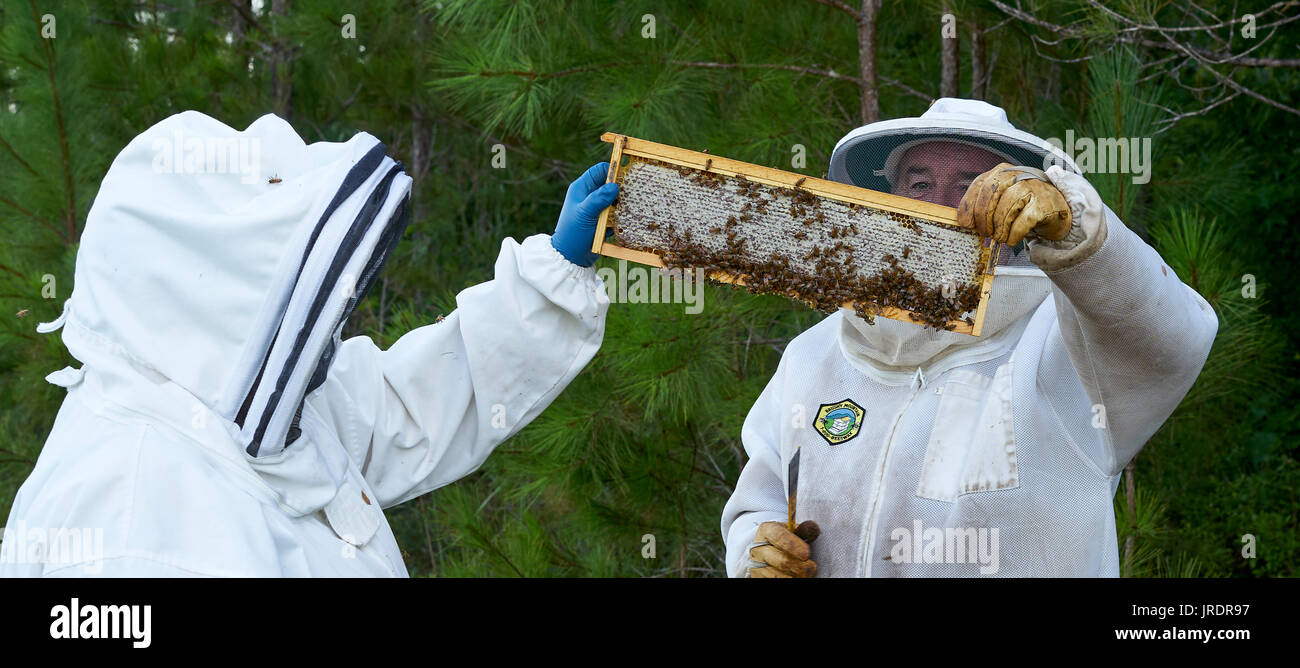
(226, 262)
(869, 157)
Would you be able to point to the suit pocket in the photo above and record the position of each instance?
(972, 443)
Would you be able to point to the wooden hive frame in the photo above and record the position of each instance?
(624, 146)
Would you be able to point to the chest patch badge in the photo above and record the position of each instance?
(839, 422)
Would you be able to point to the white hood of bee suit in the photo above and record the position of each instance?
(201, 273)
(868, 156)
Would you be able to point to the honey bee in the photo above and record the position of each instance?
(800, 182)
(275, 178)
(708, 164)
(23, 313)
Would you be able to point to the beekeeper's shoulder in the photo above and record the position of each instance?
(820, 340)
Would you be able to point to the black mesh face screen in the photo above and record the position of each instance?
(935, 158)
(938, 172)
(1014, 257)
(874, 162)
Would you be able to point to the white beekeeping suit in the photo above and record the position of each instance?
(218, 426)
(998, 455)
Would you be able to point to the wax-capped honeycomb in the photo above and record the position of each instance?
(793, 242)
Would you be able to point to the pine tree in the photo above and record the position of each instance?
(627, 472)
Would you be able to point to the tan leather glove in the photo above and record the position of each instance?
(1008, 202)
(785, 553)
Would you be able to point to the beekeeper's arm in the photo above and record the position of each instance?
(1134, 333)
(753, 521)
(430, 409)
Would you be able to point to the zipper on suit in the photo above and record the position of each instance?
(917, 383)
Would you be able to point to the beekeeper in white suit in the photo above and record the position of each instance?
(991, 456)
(218, 425)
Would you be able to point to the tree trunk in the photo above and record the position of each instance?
(281, 66)
(237, 21)
(421, 144)
(422, 132)
(948, 84)
(978, 84)
(867, 61)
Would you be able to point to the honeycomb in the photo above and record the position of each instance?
(792, 242)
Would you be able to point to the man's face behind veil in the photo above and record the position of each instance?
(939, 172)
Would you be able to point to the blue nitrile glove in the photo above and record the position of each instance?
(576, 230)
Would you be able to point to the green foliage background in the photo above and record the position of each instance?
(646, 440)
